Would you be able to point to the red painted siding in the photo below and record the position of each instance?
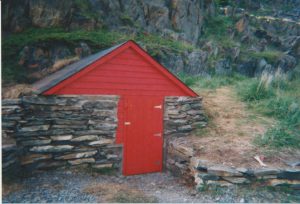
(142, 84)
(128, 73)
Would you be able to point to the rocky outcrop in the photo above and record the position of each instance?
(59, 131)
(181, 18)
(194, 62)
(43, 58)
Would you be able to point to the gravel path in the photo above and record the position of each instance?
(68, 186)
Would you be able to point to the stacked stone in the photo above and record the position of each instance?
(219, 175)
(202, 173)
(10, 161)
(183, 115)
(57, 131)
(178, 160)
(11, 114)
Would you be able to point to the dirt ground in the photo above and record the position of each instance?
(228, 139)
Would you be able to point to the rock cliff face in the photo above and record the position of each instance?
(183, 19)
(246, 36)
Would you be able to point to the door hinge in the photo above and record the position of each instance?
(127, 123)
(158, 106)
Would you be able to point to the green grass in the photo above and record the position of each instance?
(213, 82)
(250, 90)
(280, 100)
(97, 39)
(270, 56)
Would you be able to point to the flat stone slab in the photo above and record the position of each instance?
(199, 164)
(77, 155)
(81, 161)
(34, 128)
(50, 148)
(85, 138)
(102, 142)
(35, 142)
(29, 159)
(278, 182)
(61, 137)
(264, 172)
(102, 166)
(236, 180)
(207, 177)
(223, 171)
(292, 174)
(293, 163)
(8, 147)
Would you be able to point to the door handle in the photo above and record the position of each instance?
(158, 107)
(157, 134)
(127, 123)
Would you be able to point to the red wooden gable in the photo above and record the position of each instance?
(126, 70)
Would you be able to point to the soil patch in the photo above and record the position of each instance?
(118, 193)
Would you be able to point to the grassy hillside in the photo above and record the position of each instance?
(272, 96)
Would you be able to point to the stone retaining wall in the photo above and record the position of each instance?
(64, 130)
(178, 160)
(183, 115)
(201, 173)
(219, 175)
(10, 161)
(57, 131)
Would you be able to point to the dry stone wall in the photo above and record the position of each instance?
(207, 175)
(59, 131)
(183, 115)
(56, 131)
(204, 174)
(10, 161)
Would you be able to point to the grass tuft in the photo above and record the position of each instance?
(275, 96)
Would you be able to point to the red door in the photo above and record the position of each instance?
(143, 134)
